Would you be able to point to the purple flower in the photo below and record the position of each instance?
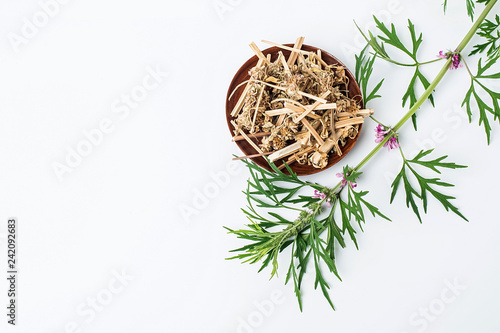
(442, 55)
(321, 195)
(344, 181)
(456, 63)
(392, 143)
(380, 134)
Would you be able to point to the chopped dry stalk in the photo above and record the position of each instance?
(300, 157)
(293, 56)
(300, 109)
(296, 108)
(313, 132)
(364, 113)
(300, 59)
(240, 102)
(280, 120)
(297, 92)
(279, 112)
(349, 122)
(360, 113)
(320, 60)
(283, 62)
(256, 135)
(247, 138)
(239, 85)
(256, 109)
(332, 121)
(285, 151)
(319, 158)
(243, 96)
(327, 106)
(259, 53)
(295, 49)
(251, 156)
(311, 108)
(287, 100)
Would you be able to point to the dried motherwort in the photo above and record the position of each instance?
(299, 106)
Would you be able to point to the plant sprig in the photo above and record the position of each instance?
(325, 220)
(427, 185)
(473, 95)
(263, 191)
(269, 234)
(490, 31)
(389, 36)
(470, 5)
(363, 72)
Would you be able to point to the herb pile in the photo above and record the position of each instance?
(299, 106)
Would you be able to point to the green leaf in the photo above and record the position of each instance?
(410, 94)
(481, 69)
(318, 253)
(346, 223)
(363, 72)
(473, 97)
(483, 119)
(425, 185)
(470, 8)
(296, 283)
(280, 218)
(442, 198)
(434, 164)
(389, 36)
(489, 32)
(334, 232)
(410, 91)
(374, 210)
(467, 101)
(352, 209)
(410, 194)
(395, 184)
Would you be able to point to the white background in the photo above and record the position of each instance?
(119, 209)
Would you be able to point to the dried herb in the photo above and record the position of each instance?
(299, 108)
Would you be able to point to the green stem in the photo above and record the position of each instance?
(410, 113)
(468, 70)
(402, 154)
(375, 120)
(430, 61)
(424, 96)
(396, 62)
(408, 65)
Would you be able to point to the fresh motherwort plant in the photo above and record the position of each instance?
(327, 217)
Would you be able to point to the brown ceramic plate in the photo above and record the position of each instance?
(242, 75)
